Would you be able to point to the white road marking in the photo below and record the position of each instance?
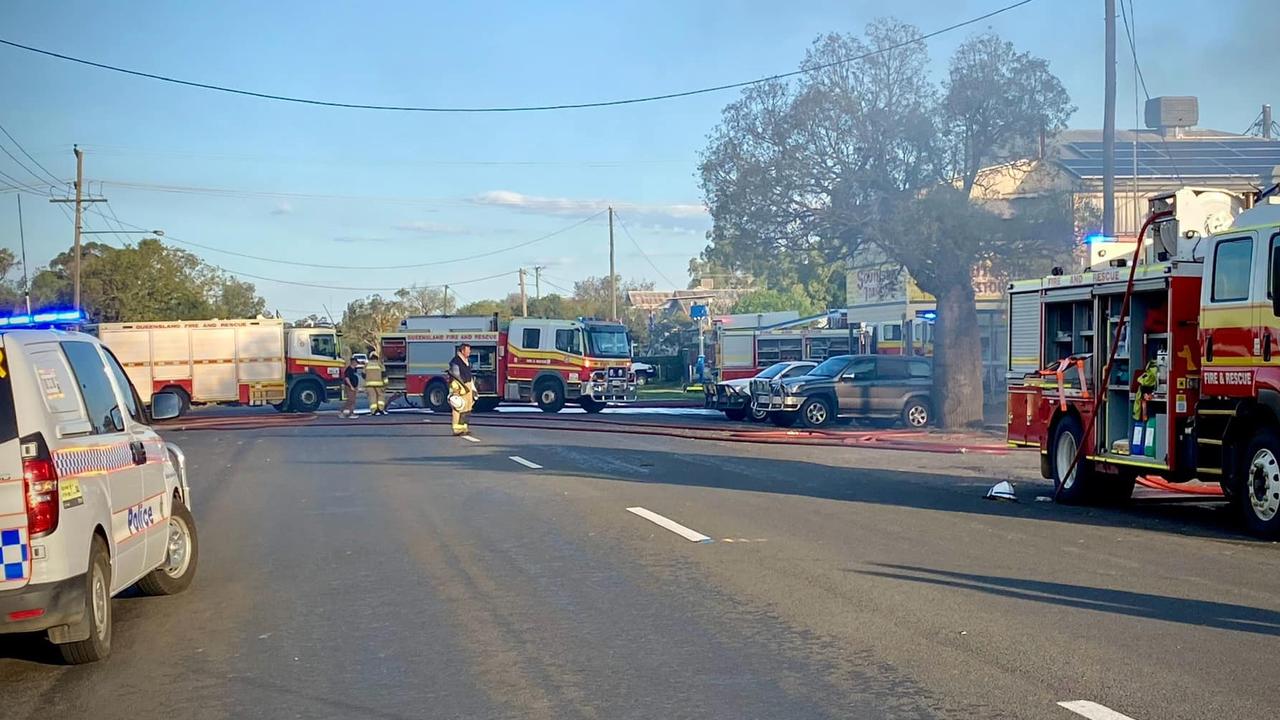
(469, 438)
(672, 525)
(526, 463)
(1093, 710)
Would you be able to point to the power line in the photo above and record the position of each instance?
(453, 283)
(241, 193)
(514, 108)
(643, 254)
(412, 266)
(23, 150)
(19, 185)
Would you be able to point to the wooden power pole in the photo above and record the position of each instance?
(537, 281)
(524, 299)
(1109, 127)
(79, 200)
(613, 275)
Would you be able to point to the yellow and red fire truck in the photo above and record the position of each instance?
(256, 361)
(543, 361)
(1169, 367)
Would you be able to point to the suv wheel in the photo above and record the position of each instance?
(916, 414)
(816, 412)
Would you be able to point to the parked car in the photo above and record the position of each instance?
(361, 359)
(645, 373)
(735, 397)
(92, 499)
(881, 388)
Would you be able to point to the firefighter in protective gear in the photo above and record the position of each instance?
(375, 385)
(462, 390)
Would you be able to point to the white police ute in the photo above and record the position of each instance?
(92, 500)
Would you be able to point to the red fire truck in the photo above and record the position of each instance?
(250, 362)
(544, 361)
(1169, 368)
(744, 352)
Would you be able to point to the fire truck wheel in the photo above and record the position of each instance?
(1072, 485)
(1257, 487)
(783, 419)
(306, 397)
(549, 396)
(816, 412)
(436, 397)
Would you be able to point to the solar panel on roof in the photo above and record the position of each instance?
(1178, 157)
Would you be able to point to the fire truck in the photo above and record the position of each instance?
(543, 361)
(744, 352)
(1169, 367)
(248, 362)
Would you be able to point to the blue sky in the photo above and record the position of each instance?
(345, 187)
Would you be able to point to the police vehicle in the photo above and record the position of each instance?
(92, 500)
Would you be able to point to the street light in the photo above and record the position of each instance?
(158, 233)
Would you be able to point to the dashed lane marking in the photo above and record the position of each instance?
(1092, 710)
(526, 463)
(470, 438)
(672, 525)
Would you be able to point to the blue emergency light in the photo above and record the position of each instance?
(1097, 238)
(48, 317)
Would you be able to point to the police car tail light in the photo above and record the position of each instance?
(40, 478)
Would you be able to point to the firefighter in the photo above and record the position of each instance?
(462, 390)
(374, 382)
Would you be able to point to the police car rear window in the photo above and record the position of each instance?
(8, 415)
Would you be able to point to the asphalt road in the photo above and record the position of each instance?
(381, 569)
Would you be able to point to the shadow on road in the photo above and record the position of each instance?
(1201, 613)
(926, 488)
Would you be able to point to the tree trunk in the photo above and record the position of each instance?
(957, 359)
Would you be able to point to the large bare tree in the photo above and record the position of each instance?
(864, 154)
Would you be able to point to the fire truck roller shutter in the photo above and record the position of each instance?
(1024, 333)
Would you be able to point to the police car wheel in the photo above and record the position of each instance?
(97, 611)
(179, 567)
(591, 406)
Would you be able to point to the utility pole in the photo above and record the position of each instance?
(79, 201)
(1109, 127)
(613, 276)
(22, 240)
(537, 280)
(524, 299)
(446, 299)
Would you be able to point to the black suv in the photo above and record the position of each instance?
(886, 388)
